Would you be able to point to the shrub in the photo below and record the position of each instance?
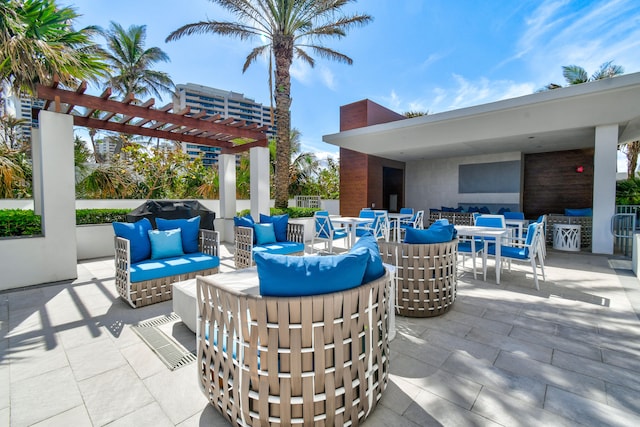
(19, 222)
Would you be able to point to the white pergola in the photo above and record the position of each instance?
(601, 115)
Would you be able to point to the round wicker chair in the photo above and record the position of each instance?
(426, 279)
(313, 360)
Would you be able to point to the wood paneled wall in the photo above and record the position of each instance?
(361, 175)
(552, 184)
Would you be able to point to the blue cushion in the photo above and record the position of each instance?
(289, 276)
(579, 212)
(155, 269)
(190, 229)
(374, 269)
(510, 252)
(137, 233)
(484, 210)
(165, 243)
(438, 234)
(503, 210)
(280, 223)
(264, 234)
(446, 209)
(466, 246)
(282, 248)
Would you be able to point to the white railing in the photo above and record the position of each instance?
(307, 201)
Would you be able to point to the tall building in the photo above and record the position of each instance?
(106, 147)
(226, 104)
(22, 107)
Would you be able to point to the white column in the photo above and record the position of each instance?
(259, 158)
(36, 159)
(227, 180)
(604, 188)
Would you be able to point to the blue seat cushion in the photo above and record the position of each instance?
(291, 276)
(282, 248)
(374, 269)
(280, 223)
(190, 229)
(466, 247)
(157, 268)
(579, 212)
(339, 234)
(510, 252)
(264, 233)
(137, 233)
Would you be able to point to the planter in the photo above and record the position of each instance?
(94, 241)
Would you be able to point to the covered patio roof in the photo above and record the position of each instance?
(556, 120)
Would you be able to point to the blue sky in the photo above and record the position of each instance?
(417, 55)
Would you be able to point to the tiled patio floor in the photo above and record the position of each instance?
(504, 355)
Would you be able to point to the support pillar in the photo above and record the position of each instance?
(259, 159)
(604, 188)
(227, 180)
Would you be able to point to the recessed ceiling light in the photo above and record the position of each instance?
(531, 137)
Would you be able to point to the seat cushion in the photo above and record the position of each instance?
(137, 233)
(282, 248)
(290, 276)
(279, 222)
(189, 228)
(157, 268)
(510, 252)
(466, 247)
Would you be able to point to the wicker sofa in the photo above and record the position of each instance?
(162, 273)
(308, 360)
(245, 246)
(426, 279)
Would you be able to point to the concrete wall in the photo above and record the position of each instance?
(52, 257)
(431, 184)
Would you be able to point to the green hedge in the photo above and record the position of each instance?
(19, 222)
(293, 212)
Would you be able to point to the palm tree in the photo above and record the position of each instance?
(290, 28)
(38, 43)
(575, 74)
(132, 64)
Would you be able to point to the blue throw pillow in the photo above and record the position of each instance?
(484, 210)
(579, 212)
(264, 234)
(190, 229)
(374, 269)
(434, 234)
(137, 235)
(279, 222)
(503, 210)
(291, 276)
(165, 243)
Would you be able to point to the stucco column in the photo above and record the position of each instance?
(604, 188)
(227, 180)
(259, 157)
(36, 163)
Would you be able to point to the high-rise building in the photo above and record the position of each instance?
(225, 103)
(22, 107)
(106, 147)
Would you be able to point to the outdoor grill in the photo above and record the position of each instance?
(173, 209)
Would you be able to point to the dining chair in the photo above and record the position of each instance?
(406, 211)
(416, 221)
(527, 251)
(326, 232)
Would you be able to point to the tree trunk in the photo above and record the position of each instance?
(283, 54)
(632, 152)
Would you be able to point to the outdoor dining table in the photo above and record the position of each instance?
(394, 221)
(497, 233)
(350, 223)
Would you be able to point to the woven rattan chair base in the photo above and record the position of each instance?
(317, 360)
(243, 254)
(140, 294)
(426, 279)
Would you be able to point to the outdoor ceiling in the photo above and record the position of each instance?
(100, 112)
(557, 120)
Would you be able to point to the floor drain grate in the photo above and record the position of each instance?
(171, 353)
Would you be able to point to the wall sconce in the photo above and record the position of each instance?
(580, 169)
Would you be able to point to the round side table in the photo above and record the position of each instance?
(566, 237)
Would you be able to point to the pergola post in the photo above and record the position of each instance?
(604, 188)
(227, 180)
(259, 160)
